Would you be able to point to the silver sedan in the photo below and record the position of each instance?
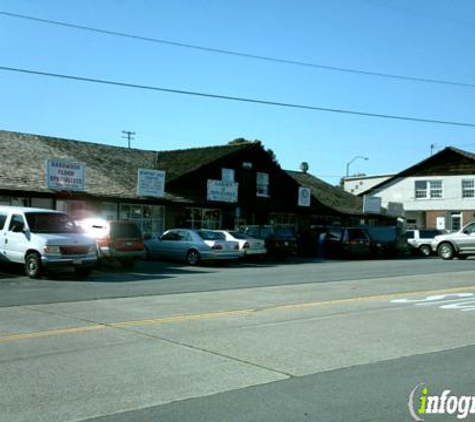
(192, 246)
(248, 245)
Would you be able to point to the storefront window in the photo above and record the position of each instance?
(283, 219)
(18, 202)
(203, 218)
(149, 218)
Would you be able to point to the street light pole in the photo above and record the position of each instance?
(354, 159)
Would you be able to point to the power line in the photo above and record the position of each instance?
(241, 54)
(232, 98)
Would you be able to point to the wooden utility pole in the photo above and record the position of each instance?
(128, 135)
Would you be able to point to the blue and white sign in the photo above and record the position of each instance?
(151, 183)
(222, 191)
(65, 175)
(304, 197)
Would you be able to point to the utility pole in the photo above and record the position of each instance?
(128, 135)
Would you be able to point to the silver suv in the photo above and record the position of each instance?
(460, 244)
(421, 240)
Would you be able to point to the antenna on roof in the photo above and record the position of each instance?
(129, 136)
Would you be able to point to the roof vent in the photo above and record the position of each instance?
(304, 167)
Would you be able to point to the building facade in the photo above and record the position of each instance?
(211, 187)
(438, 192)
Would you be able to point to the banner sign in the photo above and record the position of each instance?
(65, 175)
(151, 183)
(222, 191)
(304, 197)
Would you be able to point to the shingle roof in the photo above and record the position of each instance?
(449, 161)
(110, 170)
(329, 195)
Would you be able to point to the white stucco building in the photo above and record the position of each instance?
(438, 192)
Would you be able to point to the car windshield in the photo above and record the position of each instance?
(51, 222)
(208, 235)
(120, 230)
(284, 232)
(239, 235)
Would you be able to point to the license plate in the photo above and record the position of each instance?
(77, 261)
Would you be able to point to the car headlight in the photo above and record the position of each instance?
(52, 249)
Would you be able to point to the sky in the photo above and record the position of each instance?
(424, 39)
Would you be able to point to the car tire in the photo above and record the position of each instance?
(446, 251)
(193, 257)
(33, 266)
(425, 250)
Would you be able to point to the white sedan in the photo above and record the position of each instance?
(248, 245)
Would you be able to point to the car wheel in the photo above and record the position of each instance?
(446, 251)
(33, 267)
(193, 257)
(425, 250)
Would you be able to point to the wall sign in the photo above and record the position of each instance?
(304, 197)
(65, 175)
(151, 183)
(222, 191)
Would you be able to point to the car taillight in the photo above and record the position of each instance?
(217, 246)
(246, 245)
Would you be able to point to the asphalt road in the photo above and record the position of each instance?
(307, 341)
(158, 278)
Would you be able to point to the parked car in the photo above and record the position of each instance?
(248, 245)
(388, 241)
(460, 244)
(193, 246)
(116, 240)
(280, 241)
(44, 240)
(348, 242)
(420, 240)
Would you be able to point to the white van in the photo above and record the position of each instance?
(43, 240)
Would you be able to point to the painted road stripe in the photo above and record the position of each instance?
(222, 314)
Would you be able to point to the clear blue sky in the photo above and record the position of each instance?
(419, 38)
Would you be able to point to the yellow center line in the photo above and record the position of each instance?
(222, 314)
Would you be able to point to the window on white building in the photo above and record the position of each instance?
(468, 188)
(262, 184)
(428, 189)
